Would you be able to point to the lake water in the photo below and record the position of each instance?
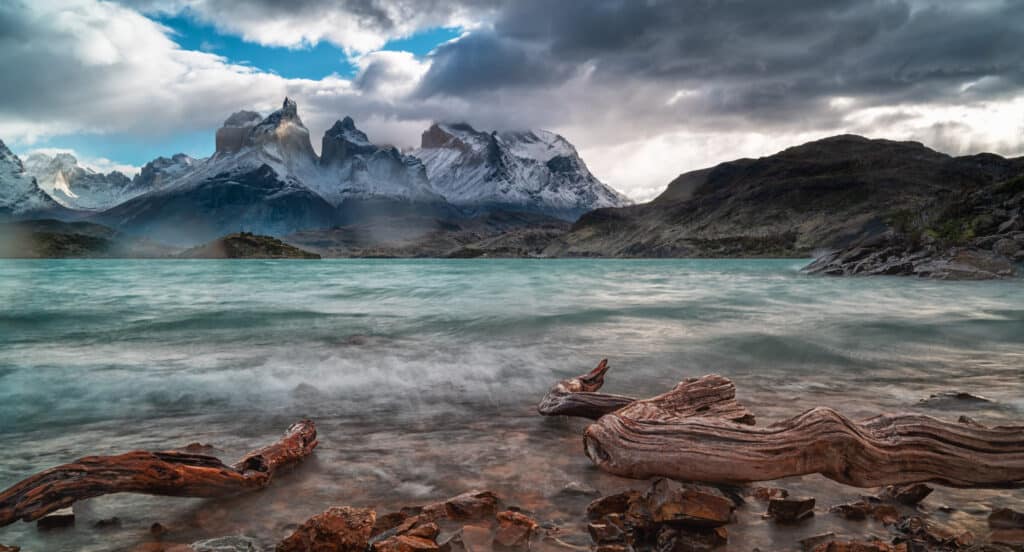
(423, 375)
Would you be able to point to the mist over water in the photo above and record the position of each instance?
(423, 375)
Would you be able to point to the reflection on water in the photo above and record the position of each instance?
(422, 376)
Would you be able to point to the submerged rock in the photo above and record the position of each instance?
(907, 494)
(514, 530)
(788, 510)
(227, 544)
(339, 529)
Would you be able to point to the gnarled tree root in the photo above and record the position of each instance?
(579, 397)
(706, 396)
(155, 473)
(644, 441)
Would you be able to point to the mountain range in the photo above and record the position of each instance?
(264, 176)
(864, 206)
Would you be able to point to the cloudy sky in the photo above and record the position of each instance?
(645, 89)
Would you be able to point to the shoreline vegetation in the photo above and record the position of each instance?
(688, 505)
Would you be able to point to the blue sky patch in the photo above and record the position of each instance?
(315, 62)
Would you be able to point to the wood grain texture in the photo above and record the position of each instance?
(156, 473)
(646, 440)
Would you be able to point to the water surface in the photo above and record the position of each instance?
(422, 375)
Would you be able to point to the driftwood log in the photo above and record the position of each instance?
(156, 473)
(707, 396)
(578, 396)
(699, 432)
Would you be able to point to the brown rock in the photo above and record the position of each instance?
(808, 544)
(611, 504)
(339, 529)
(886, 514)
(1005, 518)
(790, 509)
(388, 522)
(670, 501)
(426, 531)
(406, 543)
(477, 538)
(768, 493)
(610, 529)
(907, 494)
(157, 530)
(690, 539)
(613, 548)
(514, 530)
(4, 548)
(469, 506)
(854, 511)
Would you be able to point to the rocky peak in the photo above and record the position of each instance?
(344, 140)
(452, 136)
(7, 157)
(231, 137)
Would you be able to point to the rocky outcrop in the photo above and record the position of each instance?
(975, 234)
(231, 137)
(827, 194)
(344, 141)
(244, 245)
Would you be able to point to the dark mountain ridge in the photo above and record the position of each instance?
(821, 195)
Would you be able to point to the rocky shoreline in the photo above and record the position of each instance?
(667, 516)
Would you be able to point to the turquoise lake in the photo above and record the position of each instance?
(423, 375)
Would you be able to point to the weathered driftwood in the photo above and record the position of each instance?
(646, 440)
(155, 473)
(579, 397)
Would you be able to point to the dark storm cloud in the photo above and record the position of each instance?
(483, 61)
(763, 61)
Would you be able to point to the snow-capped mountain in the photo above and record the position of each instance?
(265, 177)
(162, 171)
(355, 168)
(20, 195)
(78, 187)
(533, 170)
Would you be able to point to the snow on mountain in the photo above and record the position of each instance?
(265, 177)
(78, 187)
(161, 171)
(352, 167)
(533, 170)
(20, 195)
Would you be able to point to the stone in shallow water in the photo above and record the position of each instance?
(514, 530)
(611, 504)
(907, 494)
(768, 493)
(339, 529)
(227, 544)
(406, 543)
(670, 501)
(787, 510)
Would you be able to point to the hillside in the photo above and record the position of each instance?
(244, 245)
(821, 195)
